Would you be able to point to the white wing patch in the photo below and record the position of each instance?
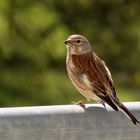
(108, 72)
(85, 80)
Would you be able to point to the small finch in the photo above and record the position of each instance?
(90, 75)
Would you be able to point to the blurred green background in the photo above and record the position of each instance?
(32, 52)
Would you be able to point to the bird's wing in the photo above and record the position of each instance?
(101, 81)
(110, 80)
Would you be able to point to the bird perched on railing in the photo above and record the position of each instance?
(90, 75)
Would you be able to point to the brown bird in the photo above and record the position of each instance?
(90, 76)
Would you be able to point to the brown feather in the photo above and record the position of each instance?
(92, 66)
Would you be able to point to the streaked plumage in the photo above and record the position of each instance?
(90, 76)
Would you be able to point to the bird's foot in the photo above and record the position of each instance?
(103, 103)
(80, 103)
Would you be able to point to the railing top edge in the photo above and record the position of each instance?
(59, 109)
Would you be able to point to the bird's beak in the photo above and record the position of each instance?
(67, 42)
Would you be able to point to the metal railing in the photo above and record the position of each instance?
(68, 122)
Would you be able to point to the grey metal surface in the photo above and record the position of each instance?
(68, 122)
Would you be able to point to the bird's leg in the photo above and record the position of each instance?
(80, 103)
(103, 103)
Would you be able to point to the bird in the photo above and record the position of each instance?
(90, 75)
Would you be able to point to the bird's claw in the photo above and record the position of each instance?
(80, 103)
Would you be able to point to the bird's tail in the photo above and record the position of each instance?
(125, 111)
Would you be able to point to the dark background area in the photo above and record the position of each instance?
(32, 52)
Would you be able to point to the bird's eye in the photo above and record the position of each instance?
(78, 41)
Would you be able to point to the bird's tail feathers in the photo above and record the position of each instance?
(125, 111)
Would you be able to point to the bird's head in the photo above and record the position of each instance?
(77, 44)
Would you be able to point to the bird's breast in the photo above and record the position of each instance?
(78, 78)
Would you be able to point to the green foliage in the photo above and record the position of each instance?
(32, 53)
